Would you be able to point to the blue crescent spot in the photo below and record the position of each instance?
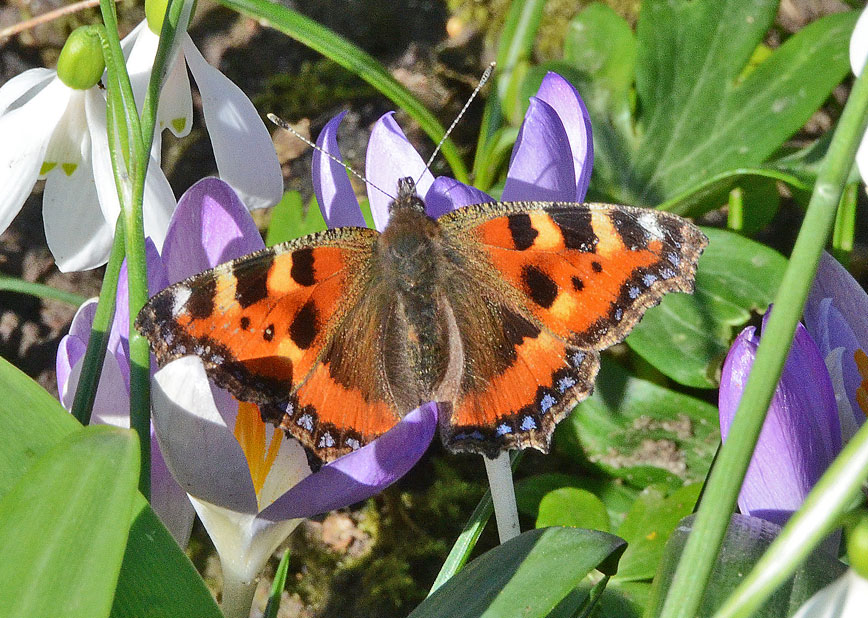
(547, 402)
(527, 423)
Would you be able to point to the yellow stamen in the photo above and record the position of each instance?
(862, 392)
(250, 432)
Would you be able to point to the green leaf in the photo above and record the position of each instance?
(64, 524)
(354, 59)
(641, 432)
(617, 496)
(40, 290)
(518, 578)
(155, 572)
(513, 53)
(290, 219)
(574, 507)
(648, 526)
(687, 336)
(746, 540)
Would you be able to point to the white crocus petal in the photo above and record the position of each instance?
(76, 231)
(242, 146)
(21, 85)
(199, 447)
(289, 467)
(25, 133)
(846, 597)
(158, 200)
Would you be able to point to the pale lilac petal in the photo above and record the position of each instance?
(334, 191)
(209, 227)
(242, 146)
(82, 321)
(833, 281)
(169, 500)
(565, 100)
(26, 132)
(541, 166)
(199, 447)
(801, 434)
(75, 229)
(23, 87)
(112, 403)
(447, 194)
(389, 158)
(360, 474)
(69, 352)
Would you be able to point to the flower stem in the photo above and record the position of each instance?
(821, 512)
(845, 225)
(700, 553)
(503, 494)
(91, 368)
(237, 595)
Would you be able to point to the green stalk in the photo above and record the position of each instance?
(821, 513)
(91, 369)
(845, 225)
(703, 545)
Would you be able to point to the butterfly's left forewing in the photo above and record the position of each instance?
(272, 328)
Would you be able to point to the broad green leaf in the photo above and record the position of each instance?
(354, 59)
(155, 572)
(518, 579)
(641, 432)
(746, 540)
(648, 526)
(64, 525)
(700, 115)
(290, 219)
(616, 496)
(758, 200)
(687, 336)
(574, 507)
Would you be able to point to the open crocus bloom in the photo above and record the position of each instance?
(253, 170)
(551, 161)
(836, 315)
(112, 405)
(250, 484)
(801, 434)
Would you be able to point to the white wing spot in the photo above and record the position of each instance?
(326, 441)
(353, 444)
(179, 298)
(305, 421)
(649, 222)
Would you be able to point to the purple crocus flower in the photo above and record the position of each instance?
(801, 434)
(112, 403)
(250, 484)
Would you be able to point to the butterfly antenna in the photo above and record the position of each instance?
(283, 124)
(485, 76)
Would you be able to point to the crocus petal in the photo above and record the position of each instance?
(242, 146)
(112, 403)
(199, 447)
(70, 350)
(169, 500)
(850, 418)
(846, 597)
(833, 281)
(565, 100)
(76, 231)
(334, 191)
(390, 157)
(21, 85)
(26, 133)
(801, 434)
(447, 194)
(210, 226)
(362, 473)
(541, 166)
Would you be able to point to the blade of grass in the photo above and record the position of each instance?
(357, 61)
(700, 553)
(277, 587)
(40, 290)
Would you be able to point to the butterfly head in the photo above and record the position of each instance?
(407, 198)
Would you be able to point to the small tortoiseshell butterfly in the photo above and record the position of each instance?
(498, 311)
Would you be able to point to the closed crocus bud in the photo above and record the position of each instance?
(81, 63)
(155, 11)
(857, 547)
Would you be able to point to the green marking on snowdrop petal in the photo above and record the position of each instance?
(179, 124)
(69, 168)
(81, 63)
(47, 166)
(155, 11)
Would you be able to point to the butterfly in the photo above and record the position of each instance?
(496, 311)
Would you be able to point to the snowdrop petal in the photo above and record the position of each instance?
(859, 44)
(362, 473)
(565, 100)
(333, 189)
(140, 49)
(176, 101)
(541, 166)
(846, 597)
(210, 226)
(243, 149)
(447, 194)
(196, 441)
(26, 133)
(390, 157)
(21, 88)
(76, 231)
